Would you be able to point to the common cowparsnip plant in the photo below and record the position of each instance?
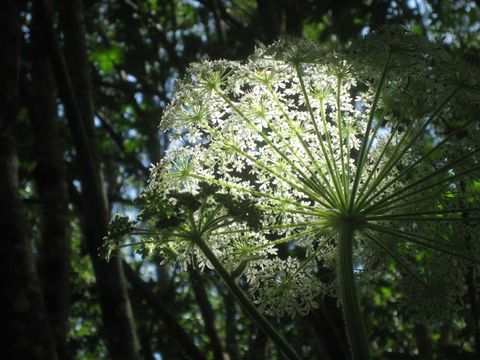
(344, 154)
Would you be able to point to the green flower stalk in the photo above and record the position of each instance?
(325, 151)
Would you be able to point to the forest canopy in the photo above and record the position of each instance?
(264, 179)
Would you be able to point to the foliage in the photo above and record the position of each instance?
(137, 50)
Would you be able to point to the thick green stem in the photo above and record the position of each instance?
(246, 304)
(354, 323)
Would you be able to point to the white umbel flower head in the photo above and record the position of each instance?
(315, 140)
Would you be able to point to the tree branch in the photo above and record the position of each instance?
(166, 315)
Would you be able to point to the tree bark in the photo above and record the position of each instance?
(54, 249)
(25, 331)
(231, 326)
(74, 86)
(328, 324)
(294, 17)
(270, 18)
(424, 342)
(258, 344)
(208, 314)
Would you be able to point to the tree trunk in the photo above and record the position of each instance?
(231, 326)
(116, 310)
(74, 86)
(270, 18)
(294, 17)
(25, 331)
(208, 314)
(54, 264)
(328, 324)
(258, 344)
(424, 342)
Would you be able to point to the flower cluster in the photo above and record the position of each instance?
(283, 287)
(303, 140)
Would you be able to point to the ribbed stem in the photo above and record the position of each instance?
(246, 304)
(354, 323)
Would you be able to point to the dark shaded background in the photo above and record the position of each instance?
(83, 86)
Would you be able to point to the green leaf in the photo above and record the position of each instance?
(475, 187)
(106, 59)
(417, 29)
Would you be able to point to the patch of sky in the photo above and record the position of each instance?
(179, 47)
(381, 134)
(138, 97)
(68, 156)
(200, 30)
(358, 268)
(97, 121)
(60, 110)
(196, 4)
(25, 28)
(163, 55)
(365, 31)
(77, 185)
(158, 101)
(130, 78)
(436, 138)
(132, 133)
(148, 271)
(359, 106)
(26, 32)
(170, 83)
(144, 159)
(103, 8)
(174, 143)
(422, 6)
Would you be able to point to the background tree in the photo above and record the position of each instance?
(25, 325)
(80, 106)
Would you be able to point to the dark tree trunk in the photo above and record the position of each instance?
(258, 344)
(74, 87)
(217, 15)
(25, 331)
(231, 326)
(294, 17)
(208, 314)
(116, 310)
(379, 11)
(471, 275)
(424, 342)
(270, 19)
(54, 249)
(328, 324)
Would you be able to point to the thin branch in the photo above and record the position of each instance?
(119, 142)
(166, 315)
